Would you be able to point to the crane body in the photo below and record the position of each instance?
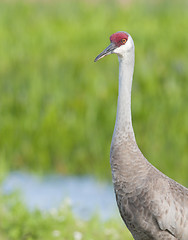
(153, 206)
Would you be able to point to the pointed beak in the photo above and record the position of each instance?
(107, 51)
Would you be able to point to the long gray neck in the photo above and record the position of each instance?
(123, 125)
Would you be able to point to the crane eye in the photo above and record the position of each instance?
(124, 40)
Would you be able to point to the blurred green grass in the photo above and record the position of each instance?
(57, 108)
(20, 224)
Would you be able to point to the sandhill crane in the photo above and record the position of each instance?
(153, 206)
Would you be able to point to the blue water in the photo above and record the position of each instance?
(85, 195)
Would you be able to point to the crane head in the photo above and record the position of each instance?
(121, 42)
